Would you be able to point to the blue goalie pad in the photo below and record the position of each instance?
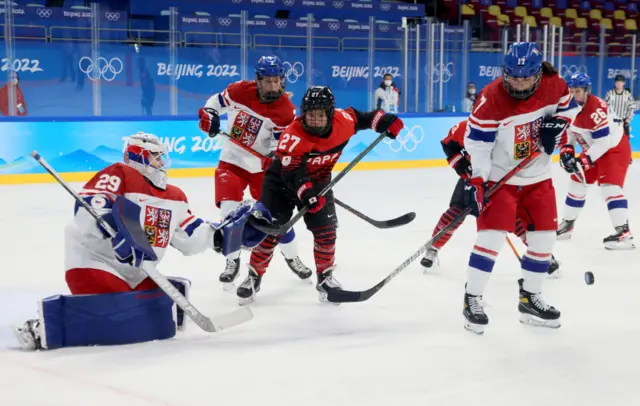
(238, 233)
(126, 215)
(109, 319)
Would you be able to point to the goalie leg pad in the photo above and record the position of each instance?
(109, 319)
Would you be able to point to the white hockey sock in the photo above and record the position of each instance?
(575, 200)
(482, 259)
(616, 203)
(535, 262)
(290, 249)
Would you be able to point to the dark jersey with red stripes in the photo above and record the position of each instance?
(303, 157)
(453, 143)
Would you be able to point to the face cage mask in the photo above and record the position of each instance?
(319, 131)
(157, 176)
(521, 94)
(270, 97)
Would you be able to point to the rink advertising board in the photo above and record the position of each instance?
(79, 147)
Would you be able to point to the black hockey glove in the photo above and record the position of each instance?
(551, 131)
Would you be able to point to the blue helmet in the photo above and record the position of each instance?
(270, 66)
(522, 60)
(580, 80)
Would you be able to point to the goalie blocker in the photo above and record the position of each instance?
(136, 316)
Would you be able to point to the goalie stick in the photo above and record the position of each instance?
(337, 295)
(280, 230)
(391, 223)
(211, 325)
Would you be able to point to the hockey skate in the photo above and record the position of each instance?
(430, 259)
(554, 269)
(29, 334)
(230, 273)
(474, 314)
(299, 268)
(534, 311)
(247, 290)
(326, 280)
(621, 240)
(565, 230)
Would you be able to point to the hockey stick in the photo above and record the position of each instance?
(280, 230)
(344, 296)
(395, 222)
(513, 248)
(214, 325)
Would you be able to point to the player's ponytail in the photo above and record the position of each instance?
(548, 69)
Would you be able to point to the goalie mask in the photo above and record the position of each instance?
(148, 155)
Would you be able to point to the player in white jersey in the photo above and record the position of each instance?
(257, 113)
(103, 273)
(529, 106)
(604, 160)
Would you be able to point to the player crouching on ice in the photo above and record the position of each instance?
(605, 158)
(529, 107)
(112, 300)
(306, 153)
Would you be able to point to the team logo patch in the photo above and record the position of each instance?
(246, 128)
(157, 223)
(286, 160)
(523, 138)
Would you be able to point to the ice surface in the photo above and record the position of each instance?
(406, 346)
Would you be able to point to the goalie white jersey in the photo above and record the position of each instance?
(167, 221)
(254, 124)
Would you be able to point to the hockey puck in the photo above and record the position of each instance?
(589, 278)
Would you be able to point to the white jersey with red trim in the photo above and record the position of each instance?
(502, 130)
(256, 125)
(166, 220)
(597, 128)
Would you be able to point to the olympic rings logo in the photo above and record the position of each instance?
(281, 23)
(237, 1)
(289, 3)
(385, 6)
(338, 4)
(44, 12)
(112, 16)
(334, 26)
(445, 71)
(407, 140)
(566, 71)
(383, 27)
(293, 71)
(101, 68)
(224, 21)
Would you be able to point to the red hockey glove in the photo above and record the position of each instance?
(391, 123)
(461, 164)
(307, 196)
(568, 158)
(585, 161)
(209, 121)
(474, 195)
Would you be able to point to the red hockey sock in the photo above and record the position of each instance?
(521, 230)
(262, 254)
(324, 248)
(445, 220)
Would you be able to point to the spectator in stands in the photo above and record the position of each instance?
(621, 101)
(21, 104)
(469, 98)
(148, 88)
(387, 96)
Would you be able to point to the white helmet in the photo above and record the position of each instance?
(148, 155)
